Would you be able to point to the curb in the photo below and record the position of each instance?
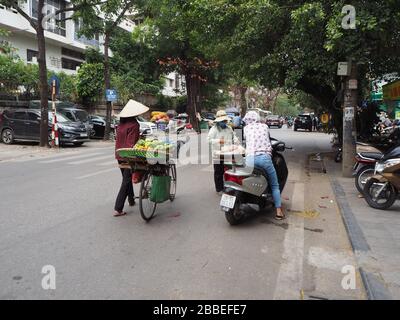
(374, 287)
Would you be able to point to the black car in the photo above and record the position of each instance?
(303, 121)
(24, 125)
(99, 125)
(77, 115)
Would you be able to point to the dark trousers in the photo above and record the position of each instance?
(219, 176)
(126, 190)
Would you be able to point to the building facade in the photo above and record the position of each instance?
(64, 47)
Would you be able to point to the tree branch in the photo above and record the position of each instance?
(78, 7)
(15, 5)
(121, 15)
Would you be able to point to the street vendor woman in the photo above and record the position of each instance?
(221, 134)
(128, 133)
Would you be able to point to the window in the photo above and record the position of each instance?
(69, 115)
(170, 83)
(57, 27)
(70, 64)
(72, 53)
(19, 115)
(32, 116)
(30, 54)
(176, 81)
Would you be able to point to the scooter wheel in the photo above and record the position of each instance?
(234, 216)
(362, 177)
(385, 200)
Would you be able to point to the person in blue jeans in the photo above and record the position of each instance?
(259, 154)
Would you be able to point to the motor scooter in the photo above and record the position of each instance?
(364, 167)
(244, 185)
(382, 190)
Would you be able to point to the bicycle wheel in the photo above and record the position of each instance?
(146, 207)
(172, 173)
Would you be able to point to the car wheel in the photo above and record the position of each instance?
(78, 144)
(295, 128)
(7, 136)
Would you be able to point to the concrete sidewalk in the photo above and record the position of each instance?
(374, 235)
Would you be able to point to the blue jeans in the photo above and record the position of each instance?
(264, 162)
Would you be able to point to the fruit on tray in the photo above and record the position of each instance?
(154, 147)
(158, 117)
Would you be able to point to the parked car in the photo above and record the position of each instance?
(146, 127)
(77, 115)
(24, 125)
(303, 121)
(99, 125)
(274, 121)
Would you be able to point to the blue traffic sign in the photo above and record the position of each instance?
(55, 79)
(111, 95)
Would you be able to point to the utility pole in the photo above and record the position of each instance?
(349, 128)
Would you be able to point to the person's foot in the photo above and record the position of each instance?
(131, 202)
(119, 214)
(219, 193)
(280, 215)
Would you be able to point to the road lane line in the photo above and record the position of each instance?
(290, 276)
(95, 174)
(71, 158)
(108, 163)
(91, 159)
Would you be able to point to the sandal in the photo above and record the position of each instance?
(119, 214)
(280, 218)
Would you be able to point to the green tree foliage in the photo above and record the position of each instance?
(90, 82)
(298, 44)
(286, 107)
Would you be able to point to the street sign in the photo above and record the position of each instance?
(343, 69)
(111, 95)
(325, 118)
(57, 81)
(353, 84)
(349, 114)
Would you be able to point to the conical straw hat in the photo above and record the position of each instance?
(133, 109)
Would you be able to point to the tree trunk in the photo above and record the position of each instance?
(193, 92)
(107, 85)
(243, 102)
(43, 85)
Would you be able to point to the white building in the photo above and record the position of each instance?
(64, 48)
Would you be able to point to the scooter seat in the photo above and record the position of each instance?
(372, 155)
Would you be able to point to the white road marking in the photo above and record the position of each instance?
(290, 276)
(95, 174)
(109, 156)
(108, 163)
(71, 158)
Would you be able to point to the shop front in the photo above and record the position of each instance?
(391, 97)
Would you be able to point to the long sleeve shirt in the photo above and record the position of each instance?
(216, 134)
(257, 139)
(127, 136)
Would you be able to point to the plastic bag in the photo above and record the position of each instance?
(137, 177)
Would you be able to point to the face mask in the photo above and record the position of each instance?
(222, 125)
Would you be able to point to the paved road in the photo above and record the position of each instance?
(56, 209)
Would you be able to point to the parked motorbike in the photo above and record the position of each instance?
(290, 124)
(382, 190)
(244, 185)
(364, 168)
